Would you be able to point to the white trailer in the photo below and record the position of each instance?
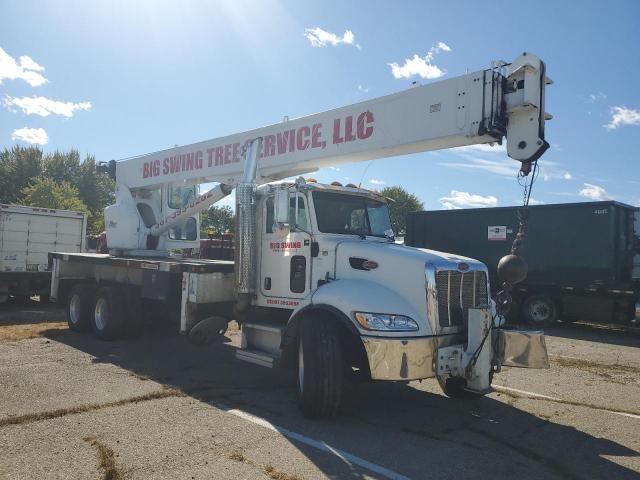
(318, 282)
(27, 235)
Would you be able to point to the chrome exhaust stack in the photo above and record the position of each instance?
(245, 264)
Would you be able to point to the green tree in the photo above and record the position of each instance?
(18, 166)
(403, 203)
(219, 219)
(46, 192)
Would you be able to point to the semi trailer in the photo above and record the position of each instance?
(583, 258)
(317, 282)
(27, 235)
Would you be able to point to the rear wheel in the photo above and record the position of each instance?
(540, 310)
(319, 368)
(80, 308)
(109, 313)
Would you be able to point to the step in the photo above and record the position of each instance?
(265, 327)
(257, 357)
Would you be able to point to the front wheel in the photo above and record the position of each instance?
(319, 368)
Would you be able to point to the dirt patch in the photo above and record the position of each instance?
(107, 460)
(15, 333)
(615, 373)
(237, 455)
(276, 474)
(62, 412)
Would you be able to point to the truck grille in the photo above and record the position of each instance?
(457, 292)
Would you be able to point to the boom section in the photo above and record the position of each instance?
(475, 108)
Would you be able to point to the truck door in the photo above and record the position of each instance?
(285, 261)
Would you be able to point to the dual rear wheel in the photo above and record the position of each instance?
(111, 312)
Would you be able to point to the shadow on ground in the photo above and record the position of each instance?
(410, 431)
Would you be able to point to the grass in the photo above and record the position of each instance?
(62, 412)
(15, 333)
(107, 460)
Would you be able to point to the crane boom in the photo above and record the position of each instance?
(475, 108)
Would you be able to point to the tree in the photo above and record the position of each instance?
(18, 167)
(403, 204)
(219, 219)
(47, 193)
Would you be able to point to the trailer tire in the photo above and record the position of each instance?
(540, 310)
(109, 313)
(320, 368)
(80, 308)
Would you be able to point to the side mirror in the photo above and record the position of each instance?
(281, 213)
(281, 206)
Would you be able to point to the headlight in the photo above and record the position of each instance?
(385, 322)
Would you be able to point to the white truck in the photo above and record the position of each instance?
(27, 235)
(318, 282)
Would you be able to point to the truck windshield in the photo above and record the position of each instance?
(351, 214)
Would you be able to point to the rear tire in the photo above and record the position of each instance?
(540, 310)
(319, 368)
(109, 314)
(80, 308)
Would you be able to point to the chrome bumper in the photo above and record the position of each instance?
(400, 359)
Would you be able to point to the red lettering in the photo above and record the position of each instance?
(145, 170)
(365, 129)
(316, 133)
(156, 168)
(165, 166)
(282, 139)
(219, 155)
(227, 153)
(302, 142)
(210, 156)
(336, 132)
(269, 145)
(348, 129)
(236, 153)
(199, 159)
(190, 157)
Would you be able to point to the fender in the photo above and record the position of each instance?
(291, 331)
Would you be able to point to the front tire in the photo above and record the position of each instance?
(319, 368)
(540, 310)
(109, 314)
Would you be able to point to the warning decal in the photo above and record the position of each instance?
(497, 233)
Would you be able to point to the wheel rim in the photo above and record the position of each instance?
(74, 309)
(300, 366)
(539, 311)
(101, 313)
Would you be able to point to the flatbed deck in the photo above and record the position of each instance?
(163, 264)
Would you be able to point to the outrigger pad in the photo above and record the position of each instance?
(522, 348)
(208, 330)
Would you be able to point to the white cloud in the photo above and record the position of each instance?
(594, 97)
(622, 115)
(467, 200)
(494, 159)
(594, 192)
(44, 106)
(321, 38)
(30, 135)
(421, 66)
(374, 181)
(25, 69)
(363, 89)
(533, 201)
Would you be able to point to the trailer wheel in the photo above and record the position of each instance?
(80, 308)
(319, 368)
(540, 310)
(109, 313)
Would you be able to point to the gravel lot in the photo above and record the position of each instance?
(157, 407)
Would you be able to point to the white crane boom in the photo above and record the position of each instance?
(475, 108)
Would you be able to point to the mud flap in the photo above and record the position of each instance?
(522, 348)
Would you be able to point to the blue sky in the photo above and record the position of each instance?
(121, 78)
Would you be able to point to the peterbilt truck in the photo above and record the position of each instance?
(317, 282)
